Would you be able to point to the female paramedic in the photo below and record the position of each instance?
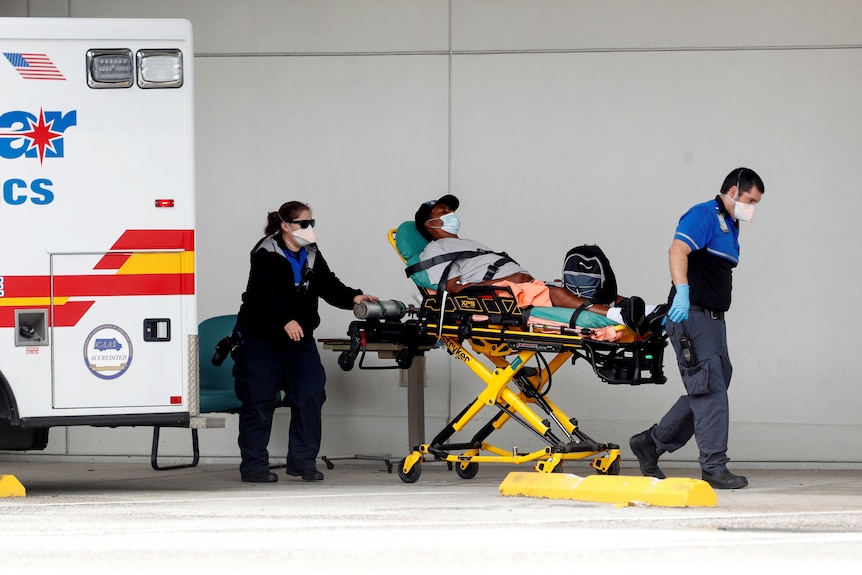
(275, 323)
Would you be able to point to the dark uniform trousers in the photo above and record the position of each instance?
(703, 411)
(262, 371)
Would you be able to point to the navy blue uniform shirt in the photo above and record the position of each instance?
(713, 236)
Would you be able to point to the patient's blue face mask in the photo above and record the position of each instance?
(451, 223)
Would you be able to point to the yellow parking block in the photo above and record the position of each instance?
(619, 489)
(11, 487)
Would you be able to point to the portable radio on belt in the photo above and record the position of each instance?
(687, 350)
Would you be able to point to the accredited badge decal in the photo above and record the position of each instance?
(108, 352)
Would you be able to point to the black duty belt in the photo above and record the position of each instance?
(711, 313)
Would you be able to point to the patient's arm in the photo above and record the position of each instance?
(454, 285)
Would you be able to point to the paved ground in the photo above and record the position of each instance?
(127, 518)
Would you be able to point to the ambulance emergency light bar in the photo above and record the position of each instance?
(116, 68)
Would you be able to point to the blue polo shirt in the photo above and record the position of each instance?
(713, 236)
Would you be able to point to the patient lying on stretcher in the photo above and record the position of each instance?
(463, 263)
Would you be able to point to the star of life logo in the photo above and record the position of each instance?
(28, 135)
(25, 135)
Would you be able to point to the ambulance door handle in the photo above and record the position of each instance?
(157, 329)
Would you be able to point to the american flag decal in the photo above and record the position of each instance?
(34, 66)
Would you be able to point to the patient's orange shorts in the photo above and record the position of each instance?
(532, 293)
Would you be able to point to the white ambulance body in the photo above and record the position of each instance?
(98, 320)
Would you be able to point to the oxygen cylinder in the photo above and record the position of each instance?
(382, 309)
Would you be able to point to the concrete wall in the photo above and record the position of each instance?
(556, 123)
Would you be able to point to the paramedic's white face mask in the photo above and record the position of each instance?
(742, 212)
(304, 236)
(451, 223)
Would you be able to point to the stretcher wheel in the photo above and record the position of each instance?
(613, 469)
(411, 476)
(468, 472)
(404, 358)
(346, 360)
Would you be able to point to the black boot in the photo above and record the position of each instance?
(644, 449)
(263, 477)
(309, 474)
(653, 322)
(725, 480)
(633, 311)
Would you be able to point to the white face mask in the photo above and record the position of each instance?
(742, 212)
(451, 223)
(304, 236)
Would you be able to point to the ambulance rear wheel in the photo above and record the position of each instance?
(411, 476)
(468, 472)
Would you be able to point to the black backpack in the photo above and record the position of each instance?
(587, 273)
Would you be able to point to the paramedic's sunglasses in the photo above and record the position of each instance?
(303, 223)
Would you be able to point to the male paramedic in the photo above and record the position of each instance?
(704, 251)
(437, 222)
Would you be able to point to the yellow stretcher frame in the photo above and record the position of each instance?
(511, 403)
(513, 389)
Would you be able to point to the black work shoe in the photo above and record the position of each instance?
(644, 449)
(265, 477)
(725, 480)
(310, 474)
(633, 311)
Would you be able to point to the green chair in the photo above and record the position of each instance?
(216, 383)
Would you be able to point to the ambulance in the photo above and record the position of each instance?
(98, 317)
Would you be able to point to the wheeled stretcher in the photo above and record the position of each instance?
(516, 356)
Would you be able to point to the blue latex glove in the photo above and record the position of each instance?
(680, 305)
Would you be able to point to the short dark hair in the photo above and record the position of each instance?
(744, 179)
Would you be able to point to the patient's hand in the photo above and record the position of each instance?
(519, 278)
(454, 286)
